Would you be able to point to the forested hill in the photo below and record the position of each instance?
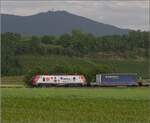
(78, 44)
(55, 23)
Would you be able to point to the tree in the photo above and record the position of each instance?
(31, 73)
(34, 44)
(65, 40)
(46, 39)
(10, 65)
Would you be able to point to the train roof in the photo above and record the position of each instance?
(60, 74)
(117, 74)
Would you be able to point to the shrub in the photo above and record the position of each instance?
(30, 74)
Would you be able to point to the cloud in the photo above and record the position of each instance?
(124, 14)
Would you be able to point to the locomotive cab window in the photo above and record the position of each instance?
(43, 78)
(74, 78)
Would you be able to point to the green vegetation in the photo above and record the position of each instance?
(78, 52)
(85, 64)
(75, 105)
(127, 66)
(15, 80)
(53, 64)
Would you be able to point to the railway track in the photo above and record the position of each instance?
(97, 86)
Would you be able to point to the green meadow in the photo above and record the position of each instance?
(75, 105)
(30, 62)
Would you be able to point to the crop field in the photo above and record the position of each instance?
(75, 105)
(125, 65)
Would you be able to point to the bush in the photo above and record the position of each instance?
(30, 74)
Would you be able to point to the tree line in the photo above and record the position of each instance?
(78, 43)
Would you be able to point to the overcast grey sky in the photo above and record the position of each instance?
(124, 14)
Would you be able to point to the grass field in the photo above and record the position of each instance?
(75, 105)
(12, 80)
(117, 65)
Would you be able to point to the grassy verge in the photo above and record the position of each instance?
(75, 105)
(12, 80)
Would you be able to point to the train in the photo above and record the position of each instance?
(58, 80)
(117, 79)
(110, 79)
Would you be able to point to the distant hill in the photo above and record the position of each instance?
(55, 23)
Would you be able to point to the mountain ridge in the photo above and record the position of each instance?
(56, 23)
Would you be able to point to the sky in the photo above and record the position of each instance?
(121, 13)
